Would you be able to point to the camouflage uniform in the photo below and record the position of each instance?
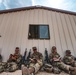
(69, 59)
(13, 63)
(2, 66)
(53, 66)
(56, 61)
(49, 68)
(36, 61)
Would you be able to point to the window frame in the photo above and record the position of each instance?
(38, 35)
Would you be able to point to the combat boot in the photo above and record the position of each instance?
(25, 70)
(32, 70)
(48, 70)
(1, 69)
(73, 72)
(71, 69)
(56, 70)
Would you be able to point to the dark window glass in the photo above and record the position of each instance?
(38, 32)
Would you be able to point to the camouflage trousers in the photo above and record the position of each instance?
(36, 66)
(61, 65)
(8, 67)
(49, 68)
(2, 66)
(72, 64)
(11, 67)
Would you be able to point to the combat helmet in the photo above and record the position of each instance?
(34, 48)
(68, 52)
(17, 50)
(53, 49)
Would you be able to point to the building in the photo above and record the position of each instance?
(38, 26)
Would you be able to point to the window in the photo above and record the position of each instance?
(38, 32)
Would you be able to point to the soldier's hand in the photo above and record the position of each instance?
(13, 58)
(54, 59)
(38, 59)
(32, 60)
(69, 63)
(72, 61)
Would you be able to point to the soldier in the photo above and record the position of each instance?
(48, 66)
(69, 59)
(36, 61)
(56, 61)
(14, 61)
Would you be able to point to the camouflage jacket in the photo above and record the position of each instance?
(68, 59)
(52, 56)
(17, 59)
(38, 56)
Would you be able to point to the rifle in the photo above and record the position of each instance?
(29, 54)
(46, 56)
(24, 57)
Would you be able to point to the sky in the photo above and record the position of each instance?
(69, 5)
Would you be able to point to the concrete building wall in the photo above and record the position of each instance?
(14, 28)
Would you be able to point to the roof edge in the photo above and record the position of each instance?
(37, 7)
